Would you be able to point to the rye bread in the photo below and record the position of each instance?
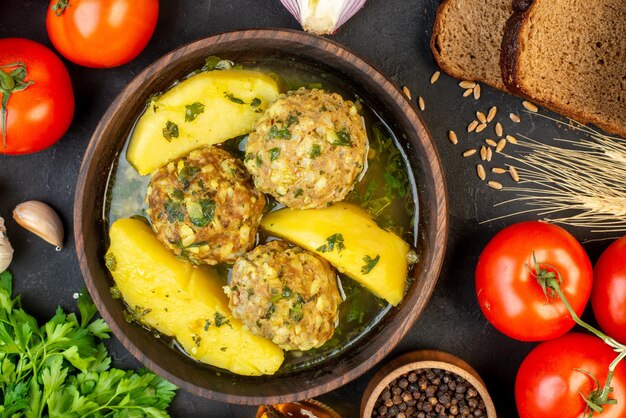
(569, 56)
(466, 39)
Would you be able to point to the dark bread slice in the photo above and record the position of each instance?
(466, 39)
(569, 56)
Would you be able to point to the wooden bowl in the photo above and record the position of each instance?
(417, 360)
(250, 46)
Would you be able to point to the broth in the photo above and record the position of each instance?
(386, 190)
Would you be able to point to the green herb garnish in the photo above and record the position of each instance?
(110, 261)
(193, 110)
(186, 174)
(173, 211)
(256, 102)
(277, 133)
(316, 150)
(331, 242)
(295, 312)
(201, 213)
(177, 194)
(170, 131)
(274, 153)
(221, 320)
(343, 138)
(63, 369)
(291, 119)
(233, 99)
(370, 263)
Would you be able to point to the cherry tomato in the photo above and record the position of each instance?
(508, 291)
(550, 380)
(37, 96)
(608, 297)
(101, 33)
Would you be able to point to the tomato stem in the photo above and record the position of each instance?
(59, 7)
(9, 84)
(550, 282)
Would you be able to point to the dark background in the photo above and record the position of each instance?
(393, 36)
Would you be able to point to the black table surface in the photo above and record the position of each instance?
(393, 36)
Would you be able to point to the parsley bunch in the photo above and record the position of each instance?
(61, 369)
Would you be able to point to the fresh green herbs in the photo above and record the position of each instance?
(174, 211)
(233, 99)
(186, 174)
(295, 312)
(291, 119)
(343, 138)
(315, 152)
(335, 240)
(278, 133)
(63, 369)
(285, 294)
(221, 320)
(256, 102)
(259, 160)
(193, 110)
(170, 131)
(216, 63)
(202, 212)
(370, 263)
(274, 153)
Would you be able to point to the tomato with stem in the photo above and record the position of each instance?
(508, 287)
(37, 97)
(608, 297)
(564, 378)
(101, 33)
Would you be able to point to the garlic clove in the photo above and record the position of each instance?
(41, 220)
(322, 17)
(6, 251)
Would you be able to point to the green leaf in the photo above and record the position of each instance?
(343, 138)
(193, 110)
(86, 307)
(370, 263)
(99, 328)
(6, 283)
(233, 99)
(170, 130)
(278, 133)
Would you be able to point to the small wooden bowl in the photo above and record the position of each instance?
(423, 359)
(252, 46)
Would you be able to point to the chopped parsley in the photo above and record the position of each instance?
(187, 174)
(115, 292)
(216, 63)
(274, 153)
(193, 110)
(207, 324)
(370, 263)
(221, 320)
(256, 102)
(233, 99)
(298, 193)
(295, 312)
(316, 151)
(291, 119)
(259, 160)
(170, 131)
(343, 138)
(201, 213)
(277, 133)
(173, 211)
(196, 339)
(335, 240)
(177, 194)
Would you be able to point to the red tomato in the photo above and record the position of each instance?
(608, 297)
(549, 386)
(38, 115)
(101, 33)
(508, 292)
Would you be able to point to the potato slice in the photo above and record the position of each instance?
(205, 109)
(184, 302)
(348, 238)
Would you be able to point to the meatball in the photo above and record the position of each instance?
(285, 294)
(204, 207)
(307, 149)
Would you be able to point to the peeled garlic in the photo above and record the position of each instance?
(322, 17)
(41, 220)
(6, 251)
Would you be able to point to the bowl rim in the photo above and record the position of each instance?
(434, 170)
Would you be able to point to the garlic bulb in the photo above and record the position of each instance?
(322, 17)
(6, 251)
(41, 220)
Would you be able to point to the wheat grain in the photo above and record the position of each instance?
(492, 113)
(469, 152)
(468, 92)
(452, 137)
(491, 142)
(501, 144)
(477, 92)
(498, 170)
(498, 129)
(480, 171)
(421, 103)
(435, 77)
(531, 107)
(472, 126)
(481, 117)
(467, 84)
(406, 92)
